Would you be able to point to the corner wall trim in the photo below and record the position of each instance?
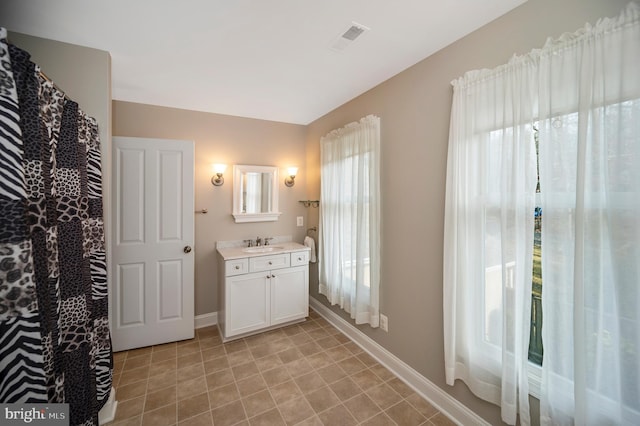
(444, 402)
(206, 320)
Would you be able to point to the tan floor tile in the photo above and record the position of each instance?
(191, 387)
(236, 346)
(239, 357)
(268, 362)
(296, 410)
(382, 372)
(242, 371)
(423, 406)
(132, 421)
(285, 392)
(132, 353)
(229, 414)
(119, 356)
(338, 353)
(223, 395)
(118, 366)
(309, 348)
(219, 378)
(345, 388)
(186, 341)
(258, 403)
(400, 387)
(133, 376)
(342, 338)
(169, 354)
(193, 406)
(210, 342)
(216, 365)
(301, 339)
(289, 355)
(213, 353)
(384, 396)
(298, 367)
(268, 418)
(129, 408)
(361, 407)
(164, 347)
(137, 362)
(319, 333)
(131, 391)
(251, 385)
(337, 415)
(353, 348)
(292, 330)
(366, 379)
(163, 416)
(380, 420)
(319, 360)
(404, 414)
(160, 381)
(160, 398)
(189, 359)
(441, 420)
(311, 421)
(191, 372)
(161, 367)
(351, 365)
(331, 373)
(367, 359)
(262, 351)
(322, 399)
(328, 342)
(309, 382)
(203, 419)
(276, 376)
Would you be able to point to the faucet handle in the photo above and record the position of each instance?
(266, 240)
(249, 242)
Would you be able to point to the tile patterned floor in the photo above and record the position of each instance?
(304, 374)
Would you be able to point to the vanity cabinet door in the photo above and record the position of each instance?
(247, 303)
(289, 294)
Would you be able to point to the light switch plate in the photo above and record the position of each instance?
(300, 221)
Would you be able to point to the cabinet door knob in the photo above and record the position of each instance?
(268, 276)
(300, 259)
(187, 249)
(270, 263)
(273, 276)
(237, 266)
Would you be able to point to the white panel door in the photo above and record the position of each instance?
(153, 236)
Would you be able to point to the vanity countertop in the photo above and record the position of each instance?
(229, 253)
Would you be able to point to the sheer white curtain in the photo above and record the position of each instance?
(349, 234)
(489, 225)
(590, 180)
(583, 91)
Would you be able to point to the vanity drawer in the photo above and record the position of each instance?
(236, 267)
(299, 258)
(266, 263)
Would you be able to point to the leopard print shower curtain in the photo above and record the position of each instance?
(54, 336)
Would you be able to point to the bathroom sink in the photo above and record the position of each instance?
(263, 249)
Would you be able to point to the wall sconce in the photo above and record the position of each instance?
(291, 180)
(218, 169)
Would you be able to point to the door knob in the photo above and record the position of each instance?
(187, 249)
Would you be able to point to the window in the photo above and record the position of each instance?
(349, 246)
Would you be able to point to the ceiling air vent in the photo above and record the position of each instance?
(349, 36)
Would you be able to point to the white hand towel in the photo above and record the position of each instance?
(310, 242)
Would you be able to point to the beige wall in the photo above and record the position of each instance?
(231, 140)
(414, 107)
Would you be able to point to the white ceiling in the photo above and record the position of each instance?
(266, 59)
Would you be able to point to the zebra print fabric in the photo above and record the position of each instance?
(54, 334)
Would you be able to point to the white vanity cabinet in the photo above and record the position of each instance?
(260, 292)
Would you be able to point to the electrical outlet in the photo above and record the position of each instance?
(384, 323)
(300, 221)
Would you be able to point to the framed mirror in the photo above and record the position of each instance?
(255, 193)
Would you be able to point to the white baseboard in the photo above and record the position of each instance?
(445, 403)
(108, 411)
(206, 320)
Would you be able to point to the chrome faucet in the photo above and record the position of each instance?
(258, 241)
(249, 242)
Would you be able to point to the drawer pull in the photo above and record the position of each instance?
(268, 276)
(237, 266)
(273, 276)
(300, 259)
(270, 263)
